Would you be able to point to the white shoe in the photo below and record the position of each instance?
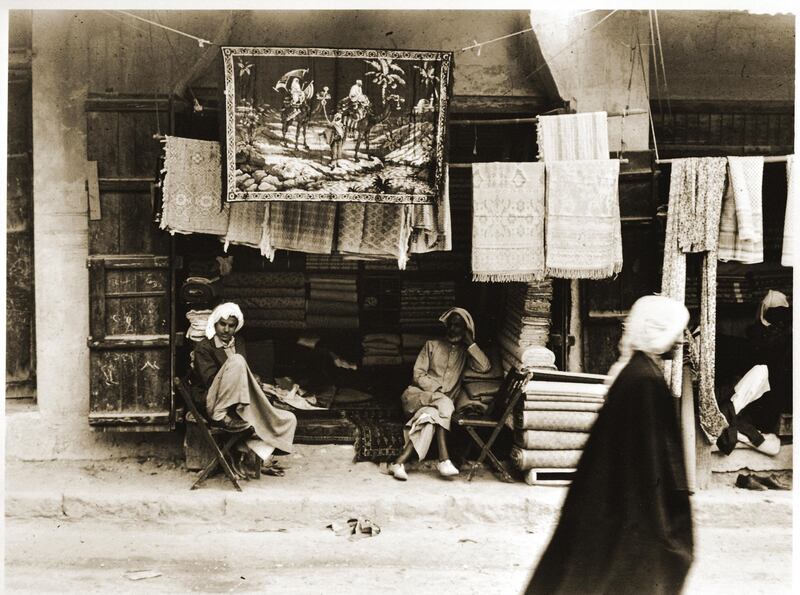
(399, 471)
(446, 468)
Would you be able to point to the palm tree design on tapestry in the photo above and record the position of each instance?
(385, 74)
(430, 80)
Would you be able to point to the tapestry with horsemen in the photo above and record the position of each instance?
(323, 124)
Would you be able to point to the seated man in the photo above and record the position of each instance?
(437, 383)
(233, 397)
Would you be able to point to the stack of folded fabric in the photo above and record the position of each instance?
(527, 325)
(332, 302)
(201, 288)
(422, 302)
(381, 349)
(330, 262)
(197, 324)
(733, 286)
(770, 277)
(412, 344)
(552, 424)
(268, 300)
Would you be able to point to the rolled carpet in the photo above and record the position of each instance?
(273, 314)
(235, 293)
(256, 323)
(567, 421)
(273, 302)
(317, 307)
(573, 389)
(265, 279)
(561, 399)
(330, 295)
(550, 440)
(536, 405)
(198, 293)
(331, 321)
(548, 459)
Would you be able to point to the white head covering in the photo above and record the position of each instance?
(773, 299)
(654, 324)
(224, 311)
(464, 314)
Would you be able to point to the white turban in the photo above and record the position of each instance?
(224, 311)
(653, 326)
(773, 299)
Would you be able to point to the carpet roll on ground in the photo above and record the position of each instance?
(567, 421)
(550, 440)
(538, 459)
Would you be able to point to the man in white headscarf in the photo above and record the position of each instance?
(437, 381)
(233, 398)
(626, 524)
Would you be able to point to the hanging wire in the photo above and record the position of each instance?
(632, 50)
(201, 42)
(655, 61)
(174, 53)
(647, 91)
(663, 69)
(478, 46)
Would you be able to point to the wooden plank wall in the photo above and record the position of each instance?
(20, 311)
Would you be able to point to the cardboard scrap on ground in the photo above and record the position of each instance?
(355, 528)
(137, 575)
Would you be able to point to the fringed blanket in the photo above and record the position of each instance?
(247, 226)
(741, 232)
(302, 226)
(572, 137)
(508, 222)
(375, 230)
(695, 196)
(193, 187)
(583, 237)
(787, 254)
(431, 225)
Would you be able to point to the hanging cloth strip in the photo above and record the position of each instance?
(431, 226)
(787, 256)
(583, 231)
(695, 199)
(572, 137)
(375, 230)
(741, 234)
(508, 222)
(192, 195)
(247, 227)
(302, 226)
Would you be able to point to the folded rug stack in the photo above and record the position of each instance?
(330, 262)
(382, 349)
(552, 424)
(197, 324)
(201, 287)
(422, 302)
(268, 300)
(332, 302)
(412, 344)
(527, 325)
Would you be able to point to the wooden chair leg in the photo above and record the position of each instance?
(484, 453)
(219, 459)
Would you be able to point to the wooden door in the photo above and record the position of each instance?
(131, 277)
(20, 312)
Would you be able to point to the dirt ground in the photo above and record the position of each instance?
(51, 556)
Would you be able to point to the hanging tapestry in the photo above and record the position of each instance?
(323, 124)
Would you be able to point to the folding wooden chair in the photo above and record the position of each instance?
(210, 436)
(496, 415)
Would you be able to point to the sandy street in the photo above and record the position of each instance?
(89, 557)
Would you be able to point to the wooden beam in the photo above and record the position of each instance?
(126, 103)
(93, 191)
(129, 261)
(499, 104)
(124, 185)
(129, 342)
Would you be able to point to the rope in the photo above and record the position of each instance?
(200, 41)
(501, 38)
(655, 60)
(663, 70)
(647, 91)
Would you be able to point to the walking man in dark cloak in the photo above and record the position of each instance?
(626, 524)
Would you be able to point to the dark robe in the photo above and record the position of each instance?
(208, 359)
(626, 524)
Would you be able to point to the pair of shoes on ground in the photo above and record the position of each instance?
(761, 483)
(446, 469)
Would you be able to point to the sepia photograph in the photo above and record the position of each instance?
(411, 298)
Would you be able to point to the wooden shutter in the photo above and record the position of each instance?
(130, 352)
(131, 279)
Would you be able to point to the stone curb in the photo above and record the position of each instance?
(537, 511)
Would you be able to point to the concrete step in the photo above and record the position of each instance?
(321, 484)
